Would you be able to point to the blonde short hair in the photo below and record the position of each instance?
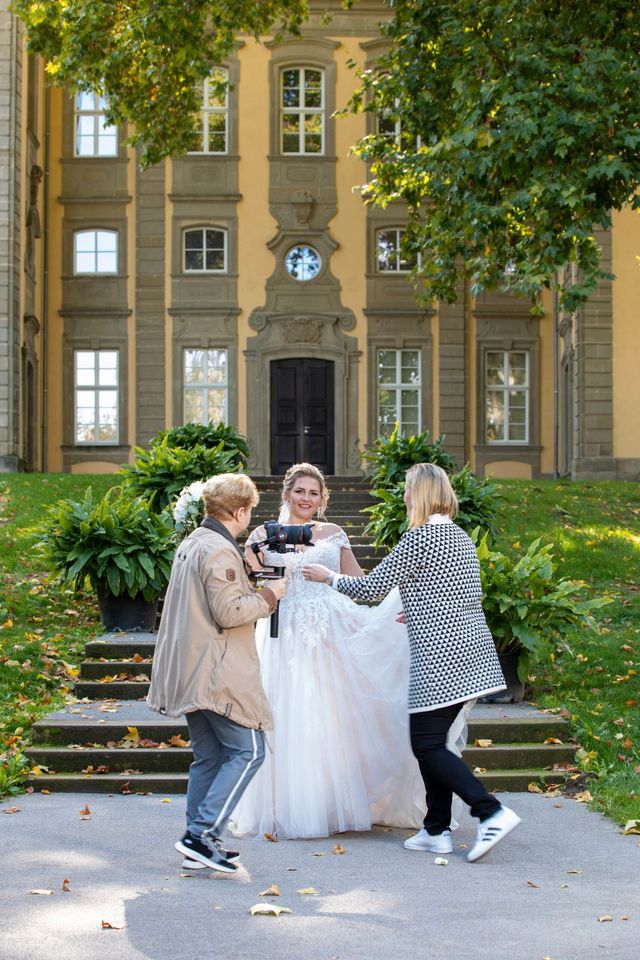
(431, 492)
(227, 492)
(298, 470)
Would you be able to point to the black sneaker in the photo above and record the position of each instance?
(205, 850)
(231, 856)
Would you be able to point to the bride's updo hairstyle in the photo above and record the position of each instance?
(431, 492)
(299, 470)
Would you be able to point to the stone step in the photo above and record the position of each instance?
(96, 669)
(176, 783)
(170, 759)
(111, 690)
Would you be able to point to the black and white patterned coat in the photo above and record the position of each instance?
(453, 656)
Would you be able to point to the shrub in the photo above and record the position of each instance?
(209, 435)
(163, 471)
(528, 610)
(117, 541)
(478, 502)
(391, 457)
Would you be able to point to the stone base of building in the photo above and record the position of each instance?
(11, 464)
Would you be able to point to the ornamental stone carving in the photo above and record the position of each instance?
(303, 202)
(302, 330)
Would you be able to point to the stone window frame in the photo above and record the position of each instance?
(203, 227)
(95, 339)
(500, 326)
(226, 110)
(203, 329)
(302, 112)
(96, 230)
(97, 389)
(400, 330)
(95, 113)
(316, 53)
(505, 389)
(204, 386)
(398, 386)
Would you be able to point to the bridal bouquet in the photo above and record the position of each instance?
(188, 509)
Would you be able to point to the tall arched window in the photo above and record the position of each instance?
(93, 138)
(213, 128)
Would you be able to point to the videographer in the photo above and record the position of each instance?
(206, 666)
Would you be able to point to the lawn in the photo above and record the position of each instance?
(595, 531)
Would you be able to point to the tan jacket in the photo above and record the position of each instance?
(205, 656)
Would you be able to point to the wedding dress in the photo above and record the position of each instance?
(339, 756)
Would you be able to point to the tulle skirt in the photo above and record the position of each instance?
(339, 757)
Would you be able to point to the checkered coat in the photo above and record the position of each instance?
(453, 656)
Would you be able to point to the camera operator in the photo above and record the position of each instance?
(206, 666)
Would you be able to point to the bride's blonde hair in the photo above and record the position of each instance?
(431, 492)
(298, 470)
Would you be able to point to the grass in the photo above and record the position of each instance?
(595, 531)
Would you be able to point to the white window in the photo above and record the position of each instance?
(206, 386)
(205, 250)
(92, 137)
(389, 255)
(96, 396)
(302, 110)
(399, 393)
(95, 251)
(507, 396)
(212, 132)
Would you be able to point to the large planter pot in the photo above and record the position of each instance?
(125, 612)
(515, 688)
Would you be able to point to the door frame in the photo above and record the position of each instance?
(292, 336)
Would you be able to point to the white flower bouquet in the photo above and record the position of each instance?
(188, 510)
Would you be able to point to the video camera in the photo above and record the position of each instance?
(280, 538)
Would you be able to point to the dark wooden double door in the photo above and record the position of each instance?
(302, 413)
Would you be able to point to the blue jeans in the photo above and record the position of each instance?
(226, 757)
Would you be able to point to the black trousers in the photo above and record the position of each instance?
(443, 772)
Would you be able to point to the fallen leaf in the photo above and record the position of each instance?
(271, 837)
(268, 910)
(292, 869)
(272, 891)
(441, 862)
(11, 810)
(625, 917)
(177, 740)
(564, 886)
(338, 848)
(534, 788)
(109, 926)
(552, 740)
(166, 800)
(483, 743)
(307, 890)
(65, 886)
(316, 853)
(582, 797)
(631, 826)
(605, 918)
(530, 883)
(574, 871)
(42, 893)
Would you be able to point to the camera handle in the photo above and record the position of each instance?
(275, 616)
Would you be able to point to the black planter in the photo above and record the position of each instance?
(515, 688)
(125, 612)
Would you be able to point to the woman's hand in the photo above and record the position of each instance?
(401, 617)
(317, 573)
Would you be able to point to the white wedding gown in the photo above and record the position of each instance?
(336, 677)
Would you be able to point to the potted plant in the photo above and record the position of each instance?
(121, 547)
(528, 609)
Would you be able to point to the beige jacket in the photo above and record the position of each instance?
(205, 656)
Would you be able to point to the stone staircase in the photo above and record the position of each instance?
(110, 742)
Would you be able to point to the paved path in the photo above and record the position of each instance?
(536, 895)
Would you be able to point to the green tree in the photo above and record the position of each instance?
(147, 56)
(509, 129)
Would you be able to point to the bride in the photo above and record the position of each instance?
(336, 677)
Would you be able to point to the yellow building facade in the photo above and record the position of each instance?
(248, 282)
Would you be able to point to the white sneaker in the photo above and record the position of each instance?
(428, 843)
(491, 831)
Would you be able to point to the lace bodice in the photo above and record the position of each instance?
(308, 598)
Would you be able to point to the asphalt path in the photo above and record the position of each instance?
(541, 893)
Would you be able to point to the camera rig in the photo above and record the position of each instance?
(280, 538)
